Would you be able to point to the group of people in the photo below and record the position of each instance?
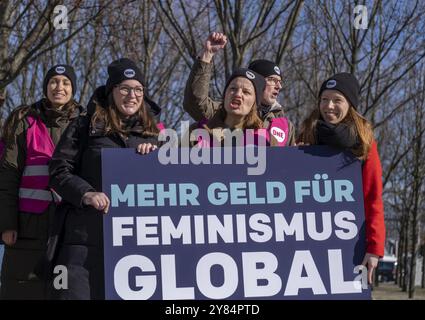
(50, 171)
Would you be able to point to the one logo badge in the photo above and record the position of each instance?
(60, 69)
(277, 70)
(331, 84)
(250, 75)
(279, 134)
(129, 73)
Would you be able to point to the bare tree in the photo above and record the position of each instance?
(32, 44)
(417, 171)
(310, 41)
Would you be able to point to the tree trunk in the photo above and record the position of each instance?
(399, 269)
(423, 266)
(405, 255)
(413, 254)
(417, 186)
(375, 279)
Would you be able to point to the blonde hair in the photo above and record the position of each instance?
(110, 116)
(358, 126)
(250, 121)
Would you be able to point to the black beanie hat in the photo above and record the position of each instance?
(120, 70)
(265, 67)
(256, 79)
(60, 70)
(347, 84)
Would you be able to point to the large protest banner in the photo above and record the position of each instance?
(185, 231)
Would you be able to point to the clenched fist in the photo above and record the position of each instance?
(216, 41)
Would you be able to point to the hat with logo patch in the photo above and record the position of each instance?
(347, 84)
(266, 68)
(256, 79)
(60, 70)
(120, 70)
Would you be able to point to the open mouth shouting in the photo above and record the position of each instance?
(235, 103)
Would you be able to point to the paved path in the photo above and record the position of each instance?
(390, 291)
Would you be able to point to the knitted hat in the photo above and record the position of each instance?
(60, 70)
(265, 67)
(120, 70)
(347, 84)
(257, 80)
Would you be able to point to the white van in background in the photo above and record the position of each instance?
(386, 268)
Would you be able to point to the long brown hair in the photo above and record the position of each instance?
(356, 122)
(253, 121)
(11, 123)
(250, 121)
(113, 123)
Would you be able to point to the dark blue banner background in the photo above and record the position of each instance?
(124, 166)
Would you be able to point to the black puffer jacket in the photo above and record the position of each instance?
(76, 169)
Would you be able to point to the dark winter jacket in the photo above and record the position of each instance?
(32, 226)
(20, 260)
(76, 169)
